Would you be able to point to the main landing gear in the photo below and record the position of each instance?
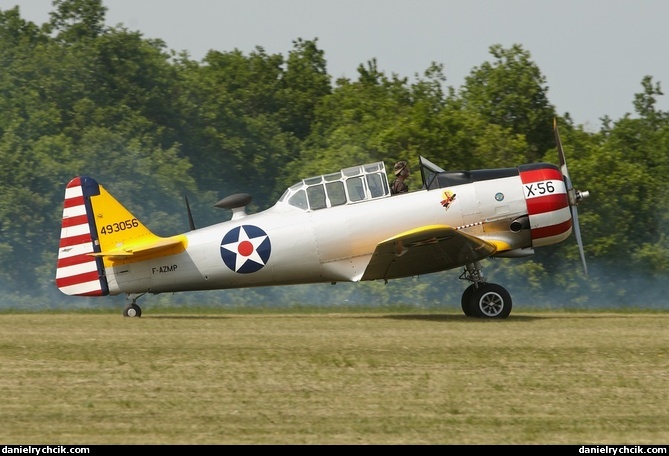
(132, 309)
(482, 299)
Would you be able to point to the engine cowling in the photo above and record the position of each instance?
(547, 201)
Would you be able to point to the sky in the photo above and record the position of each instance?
(593, 53)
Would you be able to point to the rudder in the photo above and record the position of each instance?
(77, 272)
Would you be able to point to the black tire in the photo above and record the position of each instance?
(132, 310)
(466, 301)
(491, 301)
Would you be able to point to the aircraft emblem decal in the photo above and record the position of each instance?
(245, 249)
(448, 197)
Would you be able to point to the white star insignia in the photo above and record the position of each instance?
(243, 244)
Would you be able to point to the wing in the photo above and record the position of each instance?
(424, 250)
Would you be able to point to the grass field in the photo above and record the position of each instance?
(348, 378)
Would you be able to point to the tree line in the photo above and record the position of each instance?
(153, 125)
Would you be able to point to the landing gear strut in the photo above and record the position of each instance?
(132, 309)
(482, 299)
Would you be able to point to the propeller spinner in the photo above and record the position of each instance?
(575, 196)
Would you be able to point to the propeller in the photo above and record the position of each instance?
(575, 196)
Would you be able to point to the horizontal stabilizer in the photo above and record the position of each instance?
(148, 247)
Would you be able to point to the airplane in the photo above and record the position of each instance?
(344, 226)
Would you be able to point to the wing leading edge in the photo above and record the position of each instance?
(424, 250)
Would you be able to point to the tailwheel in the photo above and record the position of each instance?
(490, 300)
(132, 309)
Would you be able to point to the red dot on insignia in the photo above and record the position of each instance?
(245, 248)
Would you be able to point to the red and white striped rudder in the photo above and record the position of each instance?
(79, 273)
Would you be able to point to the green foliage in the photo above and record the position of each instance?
(77, 20)
(512, 93)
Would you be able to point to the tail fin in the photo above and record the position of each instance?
(98, 232)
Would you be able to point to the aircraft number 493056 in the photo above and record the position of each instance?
(119, 226)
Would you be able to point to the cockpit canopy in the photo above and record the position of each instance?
(348, 186)
(367, 182)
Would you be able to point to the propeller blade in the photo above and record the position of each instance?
(574, 196)
(561, 156)
(579, 241)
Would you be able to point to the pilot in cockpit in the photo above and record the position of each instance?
(402, 171)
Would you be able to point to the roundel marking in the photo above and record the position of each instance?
(499, 196)
(245, 249)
